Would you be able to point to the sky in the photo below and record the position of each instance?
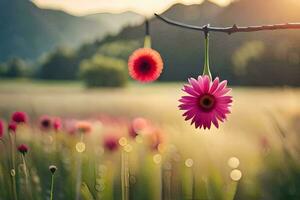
(145, 7)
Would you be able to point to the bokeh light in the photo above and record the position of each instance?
(235, 175)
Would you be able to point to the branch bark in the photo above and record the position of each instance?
(232, 29)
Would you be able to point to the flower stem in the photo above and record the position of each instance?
(26, 176)
(124, 175)
(13, 171)
(232, 188)
(52, 186)
(79, 171)
(206, 70)
(147, 41)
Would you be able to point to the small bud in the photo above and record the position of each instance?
(12, 127)
(52, 168)
(23, 149)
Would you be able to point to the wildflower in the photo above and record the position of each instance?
(157, 138)
(1, 128)
(83, 127)
(111, 142)
(23, 149)
(145, 65)
(206, 101)
(57, 124)
(52, 168)
(19, 117)
(137, 126)
(46, 123)
(12, 127)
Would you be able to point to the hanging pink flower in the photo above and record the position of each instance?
(206, 101)
(145, 65)
(1, 128)
(19, 117)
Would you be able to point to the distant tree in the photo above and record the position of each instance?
(2, 69)
(15, 68)
(101, 71)
(62, 64)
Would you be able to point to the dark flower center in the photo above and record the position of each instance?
(46, 123)
(207, 102)
(145, 67)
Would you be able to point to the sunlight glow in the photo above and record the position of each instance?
(144, 7)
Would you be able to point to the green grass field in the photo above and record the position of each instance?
(253, 133)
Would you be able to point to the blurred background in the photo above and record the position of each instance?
(48, 39)
(47, 48)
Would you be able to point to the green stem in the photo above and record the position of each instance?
(13, 171)
(147, 41)
(27, 186)
(206, 70)
(79, 171)
(232, 189)
(52, 186)
(124, 175)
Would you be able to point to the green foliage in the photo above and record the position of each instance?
(101, 71)
(14, 68)
(120, 49)
(60, 65)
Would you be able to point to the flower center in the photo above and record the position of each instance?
(207, 102)
(145, 67)
(45, 123)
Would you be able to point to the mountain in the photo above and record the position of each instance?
(243, 58)
(28, 31)
(116, 22)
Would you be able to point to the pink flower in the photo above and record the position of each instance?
(111, 142)
(145, 65)
(57, 125)
(12, 127)
(19, 117)
(206, 101)
(157, 137)
(23, 149)
(137, 126)
(1, 128)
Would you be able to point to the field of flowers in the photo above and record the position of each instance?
(66, 142)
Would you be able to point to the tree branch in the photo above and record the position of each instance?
(232, 29)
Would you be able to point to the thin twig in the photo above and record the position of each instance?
(231, 29)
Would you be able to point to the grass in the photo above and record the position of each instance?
(241, 136)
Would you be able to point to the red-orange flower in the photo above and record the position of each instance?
(84, 126)
(145, 65)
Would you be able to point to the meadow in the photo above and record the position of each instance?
(254, 155)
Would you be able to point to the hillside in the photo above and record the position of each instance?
(236, 57)
(28, 31)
